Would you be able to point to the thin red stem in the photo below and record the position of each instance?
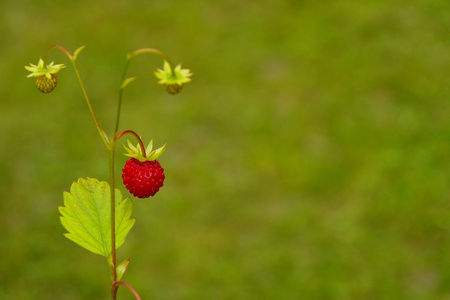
(154, 51)
(117, 283)
(121, 134)
(60, 48)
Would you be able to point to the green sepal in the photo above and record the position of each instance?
(151, 154)
(75, 54)
(121, 268)
(126, 82)
(86, 215)
(156, 153)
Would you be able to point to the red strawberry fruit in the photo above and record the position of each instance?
(143, 179)
(143, 175)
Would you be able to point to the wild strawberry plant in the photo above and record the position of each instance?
(95, 214)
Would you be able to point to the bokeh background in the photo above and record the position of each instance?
(308, 159)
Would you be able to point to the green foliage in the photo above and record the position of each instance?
(86, 215)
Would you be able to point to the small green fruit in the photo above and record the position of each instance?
(45, 84)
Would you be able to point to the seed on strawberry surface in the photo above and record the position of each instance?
(143, 179)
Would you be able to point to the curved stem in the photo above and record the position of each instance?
(127, 63)
(154, 51)
(97, 124)
(119, 135)
(59, 48)
(88, 101)
(117, 283)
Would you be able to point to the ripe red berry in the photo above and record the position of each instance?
(143, 179)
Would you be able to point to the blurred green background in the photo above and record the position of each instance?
(308, 159)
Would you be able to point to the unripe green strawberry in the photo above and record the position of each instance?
(45, 84)
(44, 75)
(173, 89)
(143, 179)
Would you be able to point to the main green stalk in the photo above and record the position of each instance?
(113, 224)
(111, 147)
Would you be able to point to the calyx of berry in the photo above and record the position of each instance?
(150, 154)
(41, 70)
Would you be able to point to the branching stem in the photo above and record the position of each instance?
(151, 50)
(121, 134)
(73, 58)
(117, 283)
(110, 144)
(127, 63)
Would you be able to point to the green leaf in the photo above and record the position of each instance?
(86, 215)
